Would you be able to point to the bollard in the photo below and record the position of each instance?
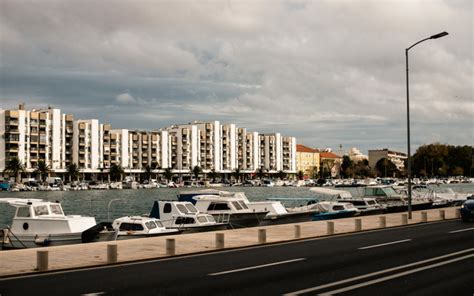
(297, 231)
(262, 236)
(170, 246)
(424, 217)
(404, 219)
(442, 214)
(112, 253)
(42, 260)
(358, 224)
(219, 240)
(457, 213)
(330, 228)
(383, 221)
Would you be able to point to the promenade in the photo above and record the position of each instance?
(18, 262)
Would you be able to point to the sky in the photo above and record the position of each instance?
(329, 73)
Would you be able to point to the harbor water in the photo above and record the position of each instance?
(129, 202)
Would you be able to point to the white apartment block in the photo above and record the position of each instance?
(398, 158)
(36, 135)
(57, 139)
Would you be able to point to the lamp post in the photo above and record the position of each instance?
(439, 35)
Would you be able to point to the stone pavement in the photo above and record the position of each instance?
(18, 262)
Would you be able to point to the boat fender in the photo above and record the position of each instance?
(42, 241)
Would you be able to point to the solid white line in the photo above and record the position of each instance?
(385, 244)
(93, 294)
(256, 267)
(461, 230)
(393, 276)
(377, 273)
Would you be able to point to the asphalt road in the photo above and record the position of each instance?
(430, 259)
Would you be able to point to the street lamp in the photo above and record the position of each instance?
(439, 35)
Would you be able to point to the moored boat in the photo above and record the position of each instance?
(139, 227)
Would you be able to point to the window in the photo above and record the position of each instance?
(167, 208)
(130, 227)
(182, 208)
(338, 208)
(237, 205)
(244, 205)
(191, 208)
(185, 220)
(56, 209)
(23, 212)
(159, 224)
(202, 219)
(210, 218)
(358, 202)
(150, 225)
(41, 210)
(215, 206)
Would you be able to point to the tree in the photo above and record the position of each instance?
(300, 175)
(237, 174)
(72, 171)
(260, 173)
(168, 174)
(116, 172)
(281, 175)
(196, 171)
(347, 167)
(213, 175)
(147, 174)
(43, 169)
(14, 167)
(386, 167)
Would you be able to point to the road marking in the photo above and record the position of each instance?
(397, 275)
(461, 230)
(385, 244)
(376, 273)
(93, 294)
(256, 267)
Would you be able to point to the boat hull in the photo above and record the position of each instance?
(334, 215)
(203, 228)
(36, 241)
(288, 218)
(241, 220)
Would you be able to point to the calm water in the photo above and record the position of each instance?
(139, 202)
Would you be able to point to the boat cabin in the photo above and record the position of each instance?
(175, 214)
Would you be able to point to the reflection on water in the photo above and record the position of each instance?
(139, 202)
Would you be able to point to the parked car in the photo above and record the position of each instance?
(467, 209)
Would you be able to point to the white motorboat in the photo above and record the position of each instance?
(230, 208)
(139, 227)
(184, 216)
(43, 223)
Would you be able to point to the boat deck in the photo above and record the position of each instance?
(19, 262)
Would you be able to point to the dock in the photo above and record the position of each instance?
(58, 258)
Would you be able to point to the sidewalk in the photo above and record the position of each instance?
(17, 262)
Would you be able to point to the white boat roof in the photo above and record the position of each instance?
(20, 202)
(332, 192)
(135, 219)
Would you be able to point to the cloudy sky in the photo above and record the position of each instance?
(326, 72)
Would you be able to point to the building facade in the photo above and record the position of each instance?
(308, 160)
(398, 158)
(60, 140)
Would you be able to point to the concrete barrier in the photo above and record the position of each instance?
(442, 214)
(330, 228)
(383, 221)
(219, 240)
(170, 246)
(457, 213)
(262, 236)
(42, 260)
(297, 231)
(112, 255)
(358, 224)
(404, 219)
(424, 217)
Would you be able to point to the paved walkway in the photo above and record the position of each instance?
(16, 262)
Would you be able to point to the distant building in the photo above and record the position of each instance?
(307, 160)
(355, 155)
(398, 158)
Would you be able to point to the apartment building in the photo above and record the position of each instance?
(57, 139)
(36, 135)
(398, 158)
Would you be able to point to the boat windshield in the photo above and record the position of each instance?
(41, 210)
(182, 208)
(56, 209)
(202, 219)
(150, 224)
(191, 208)
(210, 218)
(23, 212)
